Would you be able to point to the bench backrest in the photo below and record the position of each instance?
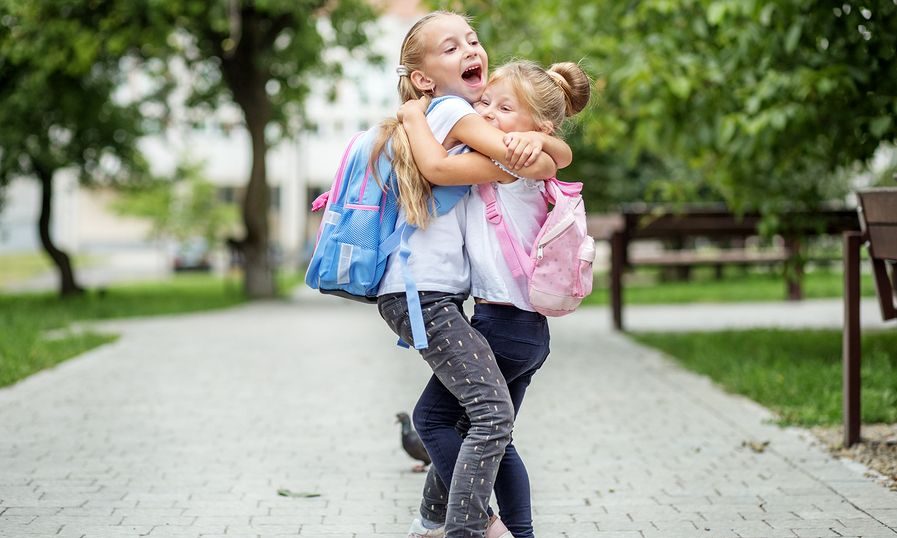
(659, 222)
(878, 216)
(878, 213)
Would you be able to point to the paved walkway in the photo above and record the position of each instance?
(810, 313)
(188, 426)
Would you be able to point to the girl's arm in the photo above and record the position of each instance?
(524, 148)
(477, 133)
(439, 167)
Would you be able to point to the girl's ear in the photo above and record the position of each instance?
(546, 127)
(422, 82)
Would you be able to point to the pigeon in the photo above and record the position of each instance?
(412, 444)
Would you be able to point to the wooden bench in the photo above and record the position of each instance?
(878, 217)
(689, 258)
(640, 222)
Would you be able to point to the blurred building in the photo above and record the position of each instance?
(298, 169)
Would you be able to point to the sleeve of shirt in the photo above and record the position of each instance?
(446, 114)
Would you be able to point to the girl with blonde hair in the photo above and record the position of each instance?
(520, 96)
(441, 56)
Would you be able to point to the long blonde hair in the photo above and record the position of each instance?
(551, 95)
(414, 190)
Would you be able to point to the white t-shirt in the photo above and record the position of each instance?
(438, 261)
(524, 210)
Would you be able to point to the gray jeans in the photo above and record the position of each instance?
(463, 363)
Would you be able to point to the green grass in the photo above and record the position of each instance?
(644, 287)
(796, 373)
(34, 327)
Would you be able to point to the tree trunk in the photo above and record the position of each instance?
(247, 80)
(794, 268)
(67, 284)
(258, 276)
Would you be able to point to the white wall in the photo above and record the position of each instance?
(21, 211)
(18, 220)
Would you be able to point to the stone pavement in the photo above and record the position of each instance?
(188, 426)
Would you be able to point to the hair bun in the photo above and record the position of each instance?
(575, 83)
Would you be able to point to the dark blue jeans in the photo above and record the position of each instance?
(520, 343)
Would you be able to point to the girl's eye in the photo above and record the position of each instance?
(474, 42)
(506, 108)
(451, 49)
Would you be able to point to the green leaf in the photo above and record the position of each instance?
(716, 12)
(793, 37)
(880, 125)
(680, 86)
(766, 13)
(727, 130)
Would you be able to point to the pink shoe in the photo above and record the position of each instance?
(497, 529)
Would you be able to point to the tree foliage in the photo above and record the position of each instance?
(758, 102)
(182, 207)
(260, 55)
(281, 42)
(61, 63)
(60, 66)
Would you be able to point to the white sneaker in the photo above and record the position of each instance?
(418, 530)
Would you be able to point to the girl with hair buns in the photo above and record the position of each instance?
(442, 56)
(520, 97)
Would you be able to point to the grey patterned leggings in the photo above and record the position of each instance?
(463, 362)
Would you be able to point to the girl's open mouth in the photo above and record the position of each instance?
(473, 75)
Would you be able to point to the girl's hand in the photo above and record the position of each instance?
(523, 149)
(413, 106)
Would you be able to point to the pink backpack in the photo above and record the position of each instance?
(558, 265)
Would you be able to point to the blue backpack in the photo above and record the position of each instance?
(358, 230)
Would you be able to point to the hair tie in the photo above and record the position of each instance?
(565, 88)
(402, 71)
(557, 78)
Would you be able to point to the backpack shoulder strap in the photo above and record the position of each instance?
(436, 101)
(556, 188)
(446, 198)
(517, 259)
(565, 195)
(412, 298)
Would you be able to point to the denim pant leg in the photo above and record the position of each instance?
(435, 416)
(520, 341)
(443, 419)
(462, 361)
(435, 497)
